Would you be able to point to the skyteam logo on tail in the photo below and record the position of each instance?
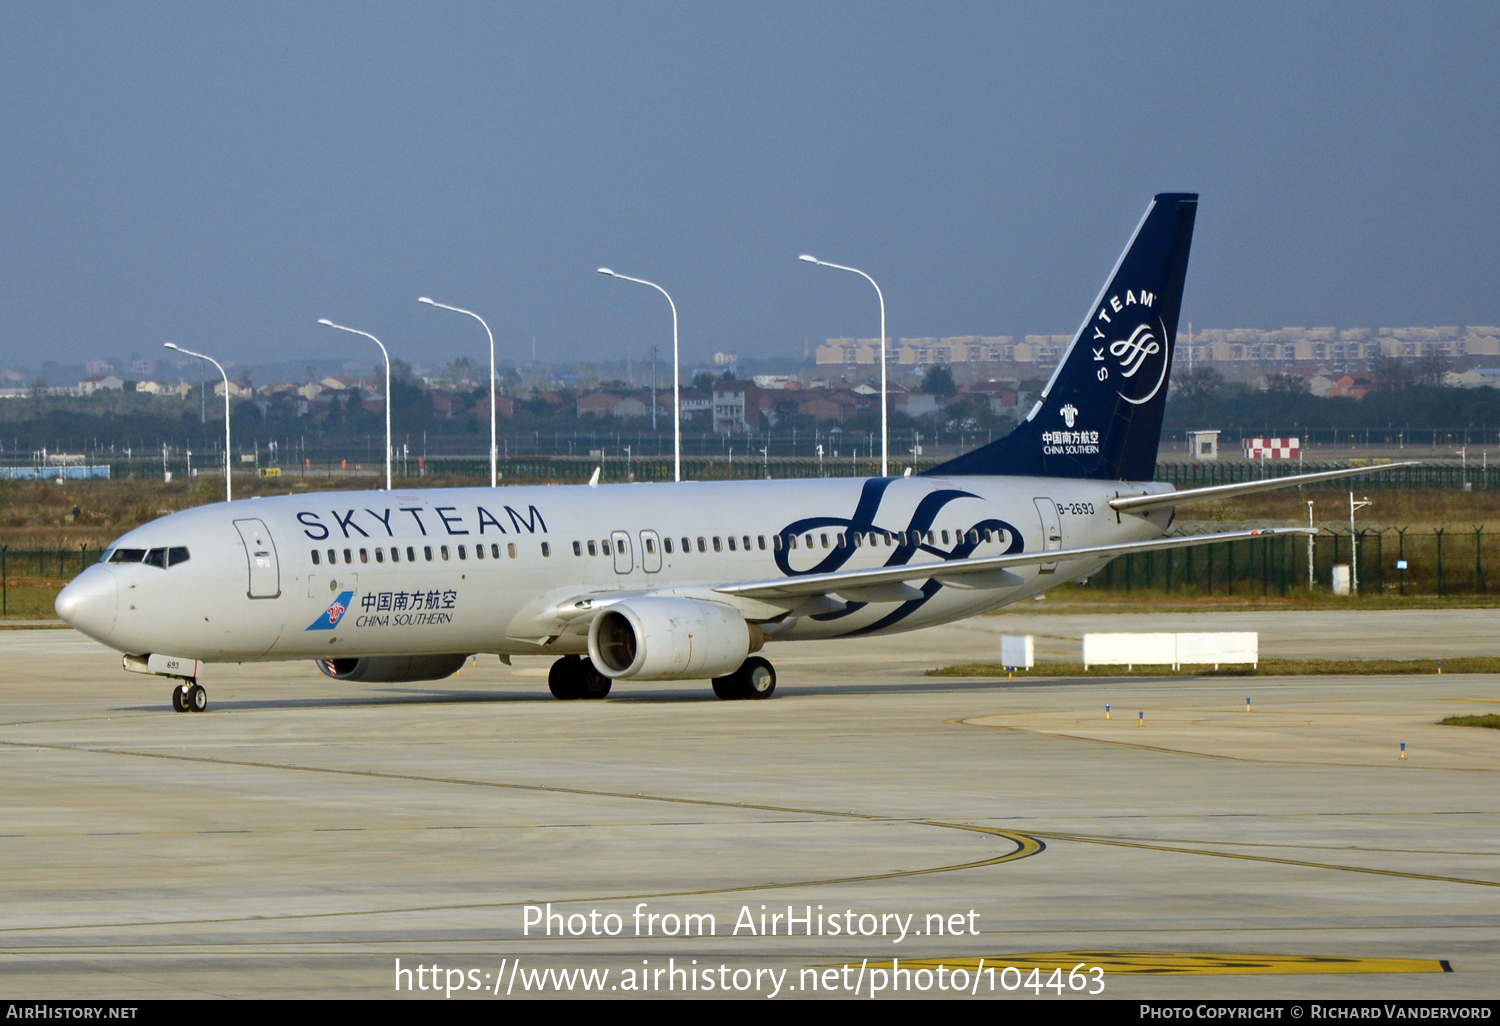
(333, 614)
(1138, 346)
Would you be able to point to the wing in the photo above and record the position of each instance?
(1159, 500)
(886, 583)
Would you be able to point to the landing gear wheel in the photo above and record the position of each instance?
(179, 698)
(757, 678)
(591, 683)
(564, 678)
(197, 698)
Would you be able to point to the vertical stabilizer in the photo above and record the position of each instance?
(1100, 414)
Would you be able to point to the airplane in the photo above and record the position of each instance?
(683, 581)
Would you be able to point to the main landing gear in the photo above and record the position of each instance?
(575, 677)
(756, 678)
(189, 696)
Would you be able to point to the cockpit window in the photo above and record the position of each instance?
(161, 558)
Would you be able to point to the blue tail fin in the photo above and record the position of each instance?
(1100, 415)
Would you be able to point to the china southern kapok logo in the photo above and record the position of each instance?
(333, 614)
(1139, 346)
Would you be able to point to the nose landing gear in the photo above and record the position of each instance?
(189, 696)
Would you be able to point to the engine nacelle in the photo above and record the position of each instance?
(668, 639)
(380, 669)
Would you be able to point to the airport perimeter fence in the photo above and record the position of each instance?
(740, 467)
(1438, 561)
(40, 567)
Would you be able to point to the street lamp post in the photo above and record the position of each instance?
(676, 373)
(355, 331)
(885, 439)
(494, 451)
(228, 492)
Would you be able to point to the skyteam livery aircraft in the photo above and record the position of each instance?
(687, 581)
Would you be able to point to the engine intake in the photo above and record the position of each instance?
(668, 639)
(381, 669)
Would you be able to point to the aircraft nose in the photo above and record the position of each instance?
(90, 602)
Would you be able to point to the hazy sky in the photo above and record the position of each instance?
(222, 175)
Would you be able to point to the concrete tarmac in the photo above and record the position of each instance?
(300, 836)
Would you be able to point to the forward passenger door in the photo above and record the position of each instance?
(260, 552)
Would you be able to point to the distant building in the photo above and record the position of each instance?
(100, 383)
(737, 406)
(98, 368)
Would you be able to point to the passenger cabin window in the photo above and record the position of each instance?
(718, 546)
(651, 546)
(427, 551)
(760, 541)
(702, 547)
(776, 540)
(478, 551)
(348, 555)
(605, 546)
(593, 549)
(666, 543)
(495, 549)
(364, 555)
(546, 549)
(731, 543)
(687, 545)
(411, 554)
(578, 548)
(380, 555)
(462, 553)
(444, 550)
(317, 560)
(511, 548)
(395, 554)
(746, 542)
(945, 537)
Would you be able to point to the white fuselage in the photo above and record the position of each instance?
(503, 570)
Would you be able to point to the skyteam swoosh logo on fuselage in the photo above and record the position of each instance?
(333, 614)
(863, 521)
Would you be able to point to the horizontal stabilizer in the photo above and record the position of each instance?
(1161, 500)
(981, 571)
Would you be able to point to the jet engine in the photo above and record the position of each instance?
(379, 669)
(670, 639)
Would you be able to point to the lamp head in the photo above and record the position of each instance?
(606, 270)
(325, 320)
(425, 299)
(170, 345)
(809, 258)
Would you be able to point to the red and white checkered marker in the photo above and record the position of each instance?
(1272, 448)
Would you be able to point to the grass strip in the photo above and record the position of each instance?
(1491, 720)
(1267, 668)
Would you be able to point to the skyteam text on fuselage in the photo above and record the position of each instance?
(686, 581)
